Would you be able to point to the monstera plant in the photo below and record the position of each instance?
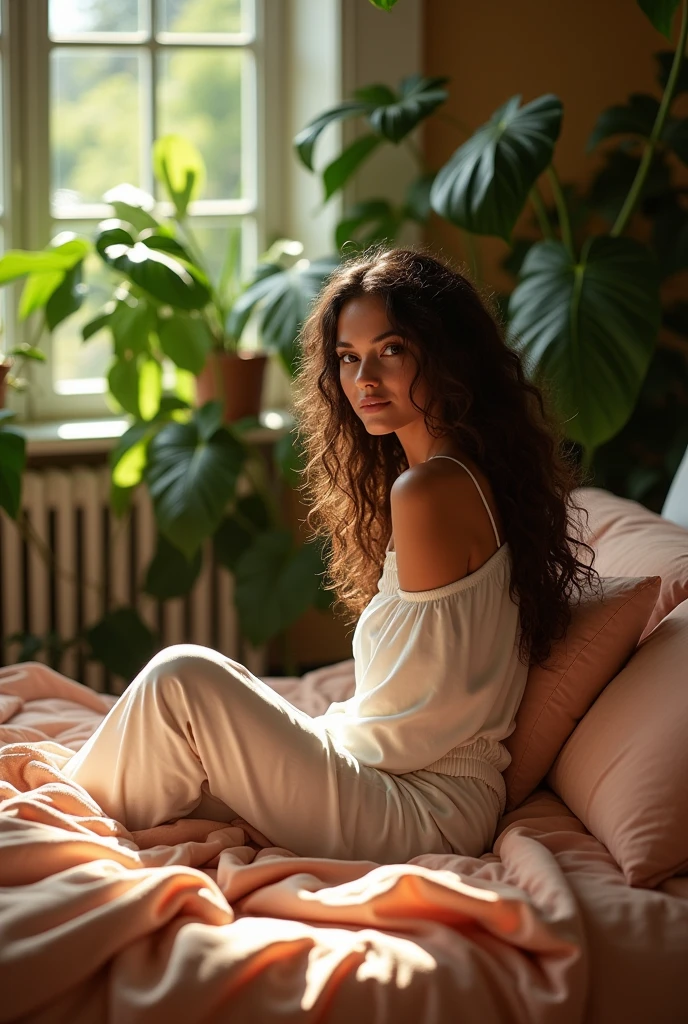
(586, 310)
(165, 306)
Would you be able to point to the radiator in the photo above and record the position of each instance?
(99, 564)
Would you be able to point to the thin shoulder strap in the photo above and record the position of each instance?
(480, 490)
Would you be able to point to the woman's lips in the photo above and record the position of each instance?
(375, 407)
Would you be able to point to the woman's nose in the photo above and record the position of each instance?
(367, 375)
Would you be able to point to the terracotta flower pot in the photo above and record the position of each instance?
(236, 379)
(4, 370)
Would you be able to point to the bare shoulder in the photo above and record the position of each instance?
(434, 525)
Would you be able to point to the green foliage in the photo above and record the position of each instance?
(586, 308)
(661, 13)
(280, 298)
(12, 461)
(336, 174)
(275, 583)
(591, 326)
(484, 186)
(392, 116)
(122, 642)
(384, 5)
(171, 574)
(179, 166)
(191, 472)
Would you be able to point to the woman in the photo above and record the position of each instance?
(422, 431)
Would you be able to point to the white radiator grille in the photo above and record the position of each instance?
(69, 510)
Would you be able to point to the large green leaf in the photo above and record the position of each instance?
(20, 262)
(150, 387)
(275, 583)
(634, 118)
(418, 98)
(122, 642)
(179, 166)
(236, 532)
(128, 457)
(384, 5)
(304, 142)
(67, 297)
(255, 292)
(336, 174)
(186, 340)
(132, 322)
(12, 461)
(590, 328)
(281, 300)
(123, 382)
(485, 184)
(37, 290)
(170, 574)
(392, 116)
(166, 243)
(661, 13)
(163, 276)
(192, 471)
(132, 205)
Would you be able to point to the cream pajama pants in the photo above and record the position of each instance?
(198, 735)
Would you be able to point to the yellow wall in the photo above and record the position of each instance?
(590, 53)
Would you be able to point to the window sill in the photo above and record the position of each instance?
(94, 436)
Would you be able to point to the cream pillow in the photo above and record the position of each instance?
(602, 635)
(624, 770)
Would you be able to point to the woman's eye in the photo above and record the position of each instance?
(392, 344)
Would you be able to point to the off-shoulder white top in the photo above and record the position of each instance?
(438, 678)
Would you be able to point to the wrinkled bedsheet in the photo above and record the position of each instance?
(200, 921)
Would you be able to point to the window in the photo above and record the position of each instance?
(96, 83)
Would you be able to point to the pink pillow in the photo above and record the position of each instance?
(602, 635)
(629, 540)
(624, 770)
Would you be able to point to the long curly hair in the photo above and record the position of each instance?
(494, 414)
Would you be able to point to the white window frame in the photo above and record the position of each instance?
(26, 81)
(309, 54)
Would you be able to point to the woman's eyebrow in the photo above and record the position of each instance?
(380, 337)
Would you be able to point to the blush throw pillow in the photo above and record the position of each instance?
(603, 633)
(624, 769)
(629, 540)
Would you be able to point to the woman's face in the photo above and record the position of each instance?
(376, 364)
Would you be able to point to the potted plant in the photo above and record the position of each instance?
(205, 477)
(586, 310)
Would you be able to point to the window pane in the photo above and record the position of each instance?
(202, 16)
(213, 242)
(2, 144)
(75, 17)
(94, 123)
(199, 96)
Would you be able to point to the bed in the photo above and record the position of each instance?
(577, 915)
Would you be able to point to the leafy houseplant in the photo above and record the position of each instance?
(586, 310)
(205, 478)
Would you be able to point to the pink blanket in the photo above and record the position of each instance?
(197, 920)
